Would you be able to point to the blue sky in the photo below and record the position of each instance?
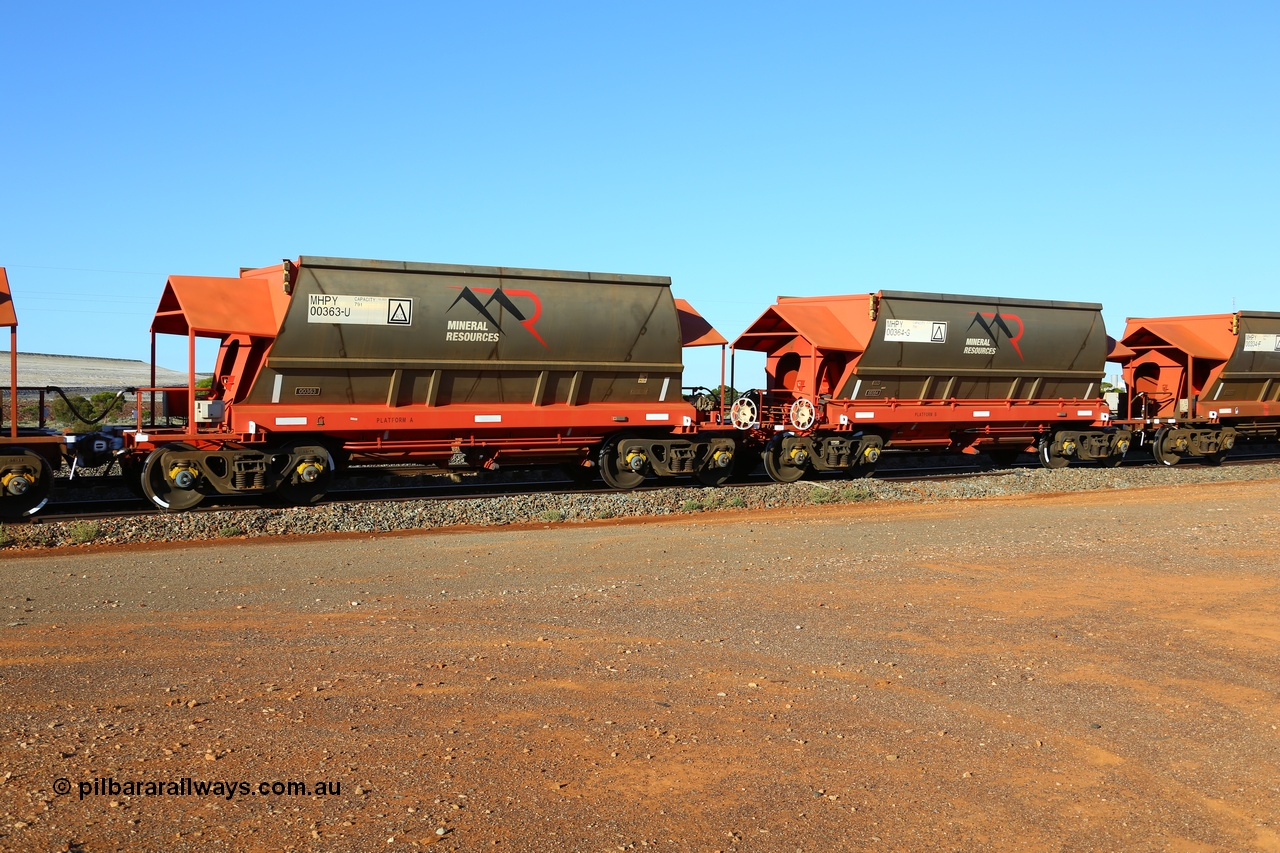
(1124, 153)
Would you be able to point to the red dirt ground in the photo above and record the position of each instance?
(1094, 671)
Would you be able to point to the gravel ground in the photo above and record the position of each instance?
(1087, 670)
(358, 518)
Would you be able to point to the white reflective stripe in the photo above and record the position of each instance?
(662, 398)
(142, 436)
(982, 414)
(488, 419)
(275, 391)
(1084, 413)
(253, 427)
(291, 421)
(856, 386)
(844, 420)
(864, 415)
(688, 421)
(657, 417)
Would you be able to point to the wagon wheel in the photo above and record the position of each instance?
(159, 485)
(717, 470)
(860, 470)
(617, 473)
(25, 493)
(709, 476)
(1158, 451)
(308, 473)
(779, 468)
(1215, 459)
(864, 462)
(802, 414)
(744, 414)
(1224, 447)
(1048, 458)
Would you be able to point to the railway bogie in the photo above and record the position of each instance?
(1107, 447)
(626, 459)
(1170, 444)
(178, 476)
(789, 456)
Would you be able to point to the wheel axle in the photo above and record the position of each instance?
(17, 484)
(309, 471)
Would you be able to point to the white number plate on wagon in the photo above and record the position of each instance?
(1262, 343)
(915, 331)
(359, 310)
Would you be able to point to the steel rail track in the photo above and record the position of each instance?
(107, 508)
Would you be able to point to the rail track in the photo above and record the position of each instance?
(440, 487)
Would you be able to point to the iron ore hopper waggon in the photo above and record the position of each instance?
(1197, 385)
(851, 376)
(328, 360)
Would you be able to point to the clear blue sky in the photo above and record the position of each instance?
(1124, 153)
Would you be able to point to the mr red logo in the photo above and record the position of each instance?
(995, 325)
(503, 298)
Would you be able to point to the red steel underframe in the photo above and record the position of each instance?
(935, 420)
(374, 428)
(1244, 414)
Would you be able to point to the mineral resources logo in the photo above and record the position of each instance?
(489, 329)
(994, 325)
